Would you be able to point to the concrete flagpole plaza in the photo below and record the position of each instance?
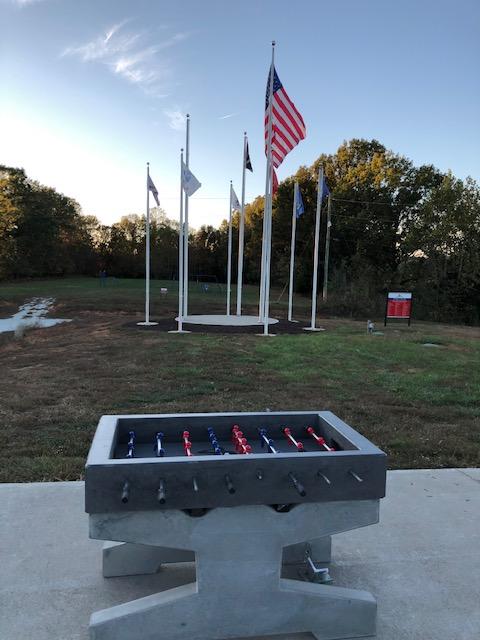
(312, 326)
(241, 231)
(147, 322)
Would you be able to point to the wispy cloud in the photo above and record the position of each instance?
(128, 54)
(228, 115)
(24, 3)
(176, 119)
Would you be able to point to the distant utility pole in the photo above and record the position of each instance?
(327, 248)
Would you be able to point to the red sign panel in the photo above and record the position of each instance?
(399, 305)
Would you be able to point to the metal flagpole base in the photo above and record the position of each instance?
(179, 331)
(313, 329)
(266, 335)
(146, 324)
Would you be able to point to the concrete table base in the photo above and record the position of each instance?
(238, 590)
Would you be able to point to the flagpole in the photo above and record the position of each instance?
(185, 236)
(268, 203)
(292, 252)
(180, 328)
(268, 254)
(229, 253)
(147, 254)
(315, 253)
(327, 248)
(147, 258)
(241, 231)
(262, 260)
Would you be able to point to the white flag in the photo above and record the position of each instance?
(235, 203)
(189, 182)
(153, 190)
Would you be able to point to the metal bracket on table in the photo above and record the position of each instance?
(312, 573)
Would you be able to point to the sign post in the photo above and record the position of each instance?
(399, 306)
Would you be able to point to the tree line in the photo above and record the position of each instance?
(395, 226)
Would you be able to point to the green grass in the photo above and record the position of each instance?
(420, 404)
(127, 294)
(439, 377)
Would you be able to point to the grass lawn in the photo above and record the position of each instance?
(420, 404)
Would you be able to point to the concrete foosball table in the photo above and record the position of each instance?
(241, 494)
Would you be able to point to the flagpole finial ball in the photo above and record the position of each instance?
(273, 43)
(188, 115)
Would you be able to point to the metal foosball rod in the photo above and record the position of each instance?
(296, 443)
(320, 441)
(187, 445)
(131, 445)
(236, 431)
(239, 441)
(266, 441)
(159, 450)
(214, 441)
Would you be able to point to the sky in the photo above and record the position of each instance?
(93, 89)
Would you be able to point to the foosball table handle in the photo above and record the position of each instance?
(356, 476)
(298, 485)
(324, 477)
(229, 483)
(125, 492)
(161, 495)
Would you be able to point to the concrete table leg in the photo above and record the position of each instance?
(127, 559)
(238, 591)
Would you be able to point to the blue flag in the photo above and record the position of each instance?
(300, 209)
(326, 190)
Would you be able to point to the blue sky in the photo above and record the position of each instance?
(92, 89)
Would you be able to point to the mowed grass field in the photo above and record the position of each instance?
(419, 404)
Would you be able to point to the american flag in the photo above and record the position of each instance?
(153, 189)
(288, 127)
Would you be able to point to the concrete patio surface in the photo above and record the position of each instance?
(422, 562)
